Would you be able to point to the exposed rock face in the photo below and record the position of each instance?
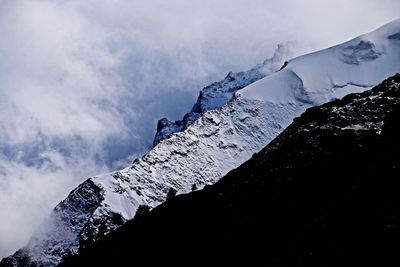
(219, 93)
(363, 51)
(66, 223)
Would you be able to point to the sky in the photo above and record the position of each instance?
(83, 83)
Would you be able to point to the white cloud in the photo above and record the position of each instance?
(82, 83)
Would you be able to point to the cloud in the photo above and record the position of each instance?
(82, 83)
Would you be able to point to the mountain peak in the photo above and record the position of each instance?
(215, 142)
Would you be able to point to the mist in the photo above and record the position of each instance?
(83, 83)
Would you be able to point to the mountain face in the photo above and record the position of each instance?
(217, 142)
(324, 192)
(219, 93)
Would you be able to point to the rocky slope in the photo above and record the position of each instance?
(219, 141)
(324, 192)
(219, 93)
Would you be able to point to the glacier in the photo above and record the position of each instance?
(217, 142)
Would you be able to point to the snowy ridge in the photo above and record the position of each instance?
(219, 93)
(354, 66)
(342, 148)
(218, 141)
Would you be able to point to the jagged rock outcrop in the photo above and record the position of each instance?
(219, 93)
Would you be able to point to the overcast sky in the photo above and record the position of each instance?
(83, 83)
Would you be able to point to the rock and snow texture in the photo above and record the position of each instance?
(324, 191)
(217, 142)
(219, 93)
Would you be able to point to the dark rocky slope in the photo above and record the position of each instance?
(323, 193)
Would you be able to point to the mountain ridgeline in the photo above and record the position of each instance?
(219, 93)
(217, 142)
(323, 193)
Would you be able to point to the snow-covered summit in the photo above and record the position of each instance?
(334, 72)
(219, 141)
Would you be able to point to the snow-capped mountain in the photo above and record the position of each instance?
(217, 142)
(219, 93)
(325, 191)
